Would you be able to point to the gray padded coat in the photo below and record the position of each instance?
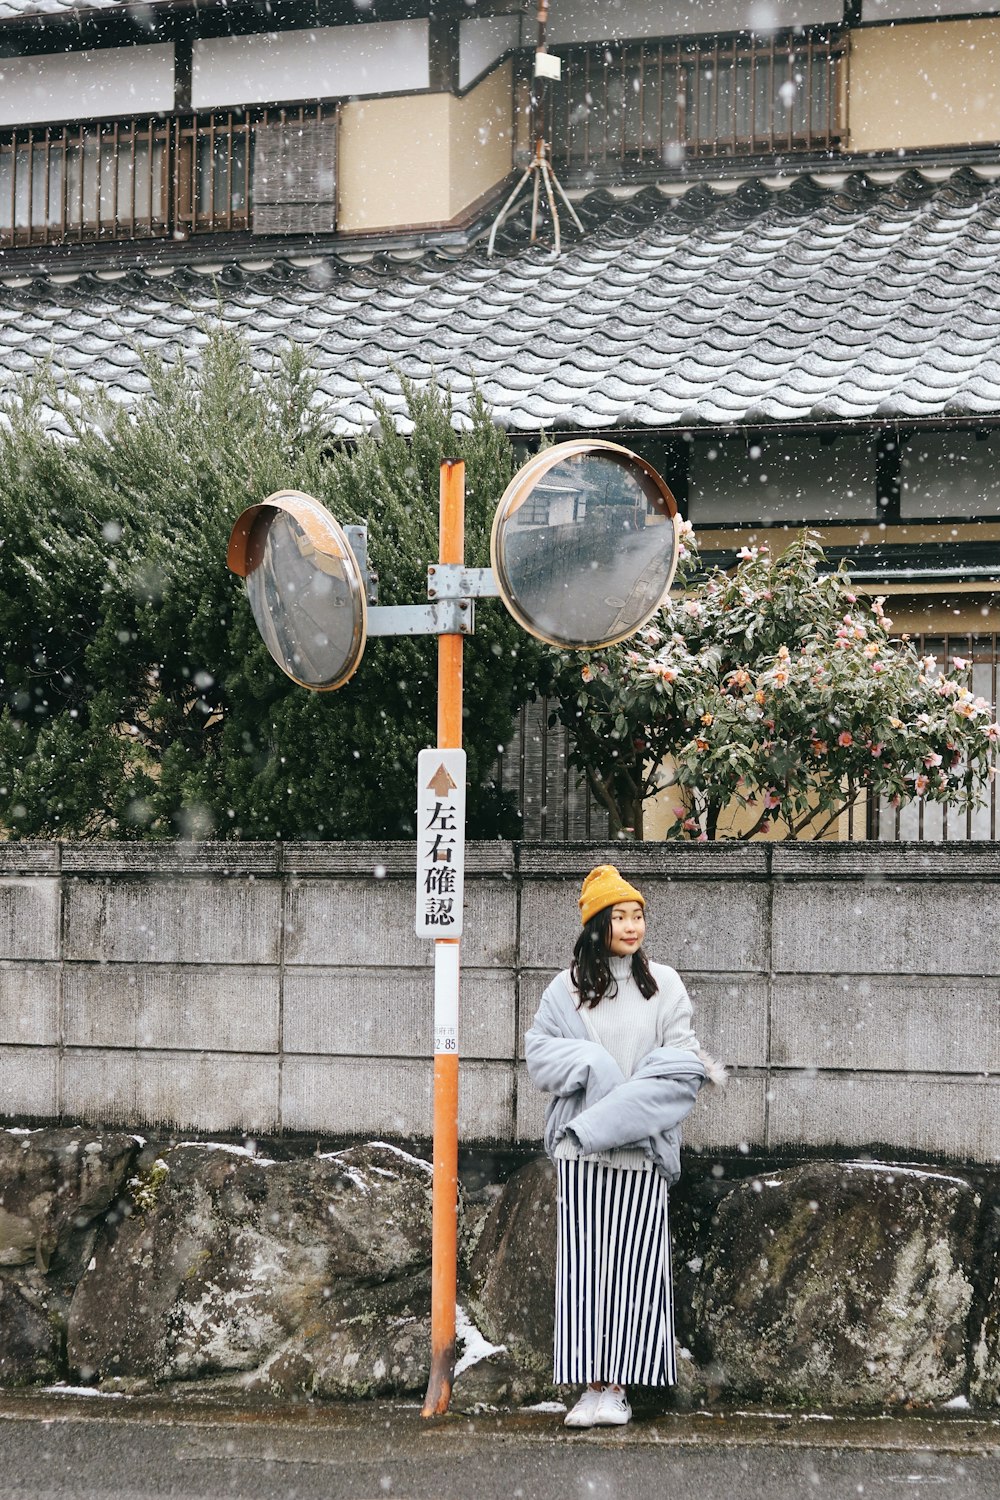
(593, 1099)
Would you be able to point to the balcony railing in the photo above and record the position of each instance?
(153, 178)
(646, 105)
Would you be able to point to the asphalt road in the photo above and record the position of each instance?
(95, 1450)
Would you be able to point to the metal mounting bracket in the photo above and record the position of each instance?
(456, 581)
(443, 617)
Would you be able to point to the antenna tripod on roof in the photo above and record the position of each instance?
(540, 171)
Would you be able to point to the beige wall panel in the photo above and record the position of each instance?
(29, 1004)
(338, 921)
(29, 1082)
(394, 162)
(390, 1012)
(422, 159)
(342, 1096)
(29, 917)
(231, 921)
(228, 1008)
(934, 85)
(957, 1118)
(193, 1091)
(481, 138)
(911, 1023)
(903, 928)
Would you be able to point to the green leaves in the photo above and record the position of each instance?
(138, 699)
(778, 699)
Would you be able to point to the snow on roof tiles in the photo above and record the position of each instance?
(24, 10)
(860, 300)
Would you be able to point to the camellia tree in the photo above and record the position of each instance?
(774, 699)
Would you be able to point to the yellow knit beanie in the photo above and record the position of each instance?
(604, 886)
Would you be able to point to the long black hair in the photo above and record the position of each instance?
(591, 967)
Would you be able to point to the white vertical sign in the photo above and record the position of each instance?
(440, 843)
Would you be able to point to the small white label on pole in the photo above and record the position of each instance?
(447, 968)
(440, 843)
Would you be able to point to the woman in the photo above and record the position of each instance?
(613, 1045)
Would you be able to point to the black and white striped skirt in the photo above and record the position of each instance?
(614, 1289)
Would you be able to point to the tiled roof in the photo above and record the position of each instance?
(24, 10)
(822, 300)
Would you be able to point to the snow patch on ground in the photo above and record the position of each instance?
(474, 1346)
(81, 1390)
(262, 1161)
(417, 1161)
(958, 1403)
(893, 1171)
(546, 1406)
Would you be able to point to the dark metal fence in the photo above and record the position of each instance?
(650, 103)
(918, 820)
(556, 807)
(535, 768)
(151, 178)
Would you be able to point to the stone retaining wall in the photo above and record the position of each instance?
(853, 989)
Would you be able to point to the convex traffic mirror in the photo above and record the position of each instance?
(305, 587)
(585, 544)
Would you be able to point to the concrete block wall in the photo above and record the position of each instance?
(854, 990)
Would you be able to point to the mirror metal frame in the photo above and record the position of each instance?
(518, 491)
(328, 537)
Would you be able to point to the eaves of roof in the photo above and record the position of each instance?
(827, 300)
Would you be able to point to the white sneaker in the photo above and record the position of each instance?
(584, 1413)
(613, 1409)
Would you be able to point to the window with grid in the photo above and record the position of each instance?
(656, 103)
(160, 177)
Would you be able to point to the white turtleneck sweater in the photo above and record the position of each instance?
(629, 1026)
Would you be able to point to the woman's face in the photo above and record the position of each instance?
(628, 928)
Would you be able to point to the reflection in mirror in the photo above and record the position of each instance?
(588, 550)
(304, 601)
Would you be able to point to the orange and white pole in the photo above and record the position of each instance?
(447, 970)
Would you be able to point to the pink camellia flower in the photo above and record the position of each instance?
(851, 598)
(679, 813)
(932, 760)
(920, 785)
(748, 554)
(765, 827)
(702, 838)
(587, 674)
(771, 801)
(878, 667)
(877, 751)
(960, 663)
(690, 824)
(845, 737)
(993, 733)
